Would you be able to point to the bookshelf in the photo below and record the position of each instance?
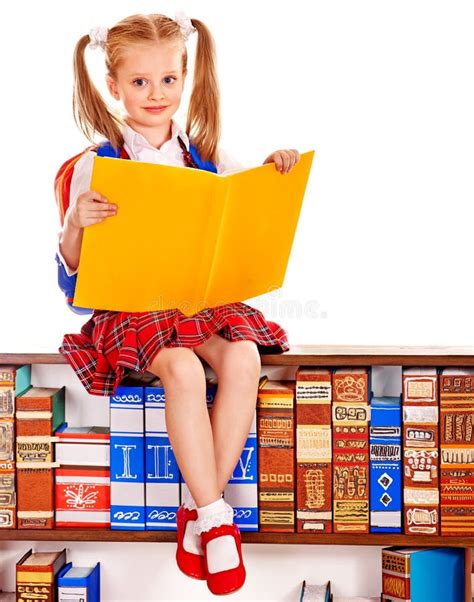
(299, 355)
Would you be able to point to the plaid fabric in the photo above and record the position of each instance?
(111, 343)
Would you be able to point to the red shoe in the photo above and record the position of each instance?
(190, 564)
(224, 582)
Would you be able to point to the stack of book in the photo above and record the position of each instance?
(48, 576)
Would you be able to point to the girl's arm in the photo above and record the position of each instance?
(70, 242)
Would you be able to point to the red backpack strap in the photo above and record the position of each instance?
(62, 182)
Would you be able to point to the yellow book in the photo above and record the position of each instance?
(188, 238)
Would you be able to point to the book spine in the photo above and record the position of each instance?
(385, 466)
(241, 492)
(7, 474)
(395, 575)
(457, 454)
(82, 497)
(127, 461)
(36, 584)
(313, 452)
(276, 471)
(351, 453)
(34, 463)
(420, 455)
(161, 469)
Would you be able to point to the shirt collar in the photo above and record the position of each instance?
(136, 141)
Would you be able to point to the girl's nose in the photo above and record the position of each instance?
(155, 92)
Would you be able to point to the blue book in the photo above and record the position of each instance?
(127, 460)
(162, 477)
(385, 467)
(423, 574)
(79, 583)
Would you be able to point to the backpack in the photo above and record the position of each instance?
(62, 186)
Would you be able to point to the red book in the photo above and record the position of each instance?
(82, 483)
(36, 575)
(276, 470)
(313, 451)
(457, 451)
(350, 418)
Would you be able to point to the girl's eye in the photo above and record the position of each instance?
(169, 79)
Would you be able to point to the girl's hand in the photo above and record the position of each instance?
(89, 208)
(284, 160)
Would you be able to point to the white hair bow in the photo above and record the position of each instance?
(185, 24)
(98, 37)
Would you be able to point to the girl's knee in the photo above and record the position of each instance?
(178, 366)
(243, 360)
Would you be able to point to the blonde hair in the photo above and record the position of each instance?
(203, 122)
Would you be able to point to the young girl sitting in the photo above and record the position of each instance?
(146, 62)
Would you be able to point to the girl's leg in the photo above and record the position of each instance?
(187, 420)
(237, 366)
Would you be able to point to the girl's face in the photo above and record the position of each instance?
(149, 76)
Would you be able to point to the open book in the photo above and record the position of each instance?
(188, 238)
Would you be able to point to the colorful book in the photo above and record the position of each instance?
(82, 481)
(423, 574)
(78, 583)
(162, 477)
(313, 450)
(276, 457)
(39, 412)
(420, 455)
(36, 575)
(127, 457)
(14, 380)
(457, 451)
(350, 418)
(385, 465)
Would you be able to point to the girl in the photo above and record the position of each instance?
(146, 61)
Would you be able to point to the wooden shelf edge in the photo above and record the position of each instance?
(320, 355)
(104, 535)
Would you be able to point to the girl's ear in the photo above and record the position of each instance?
(112, 87)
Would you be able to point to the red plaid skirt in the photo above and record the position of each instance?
(112, 343)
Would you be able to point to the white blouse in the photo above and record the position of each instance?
(139, 149)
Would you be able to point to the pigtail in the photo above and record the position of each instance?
(203, 124)
(90, 111)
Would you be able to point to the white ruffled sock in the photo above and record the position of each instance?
(221, 552)
(191, 541)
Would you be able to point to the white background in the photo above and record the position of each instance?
(382, 91)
